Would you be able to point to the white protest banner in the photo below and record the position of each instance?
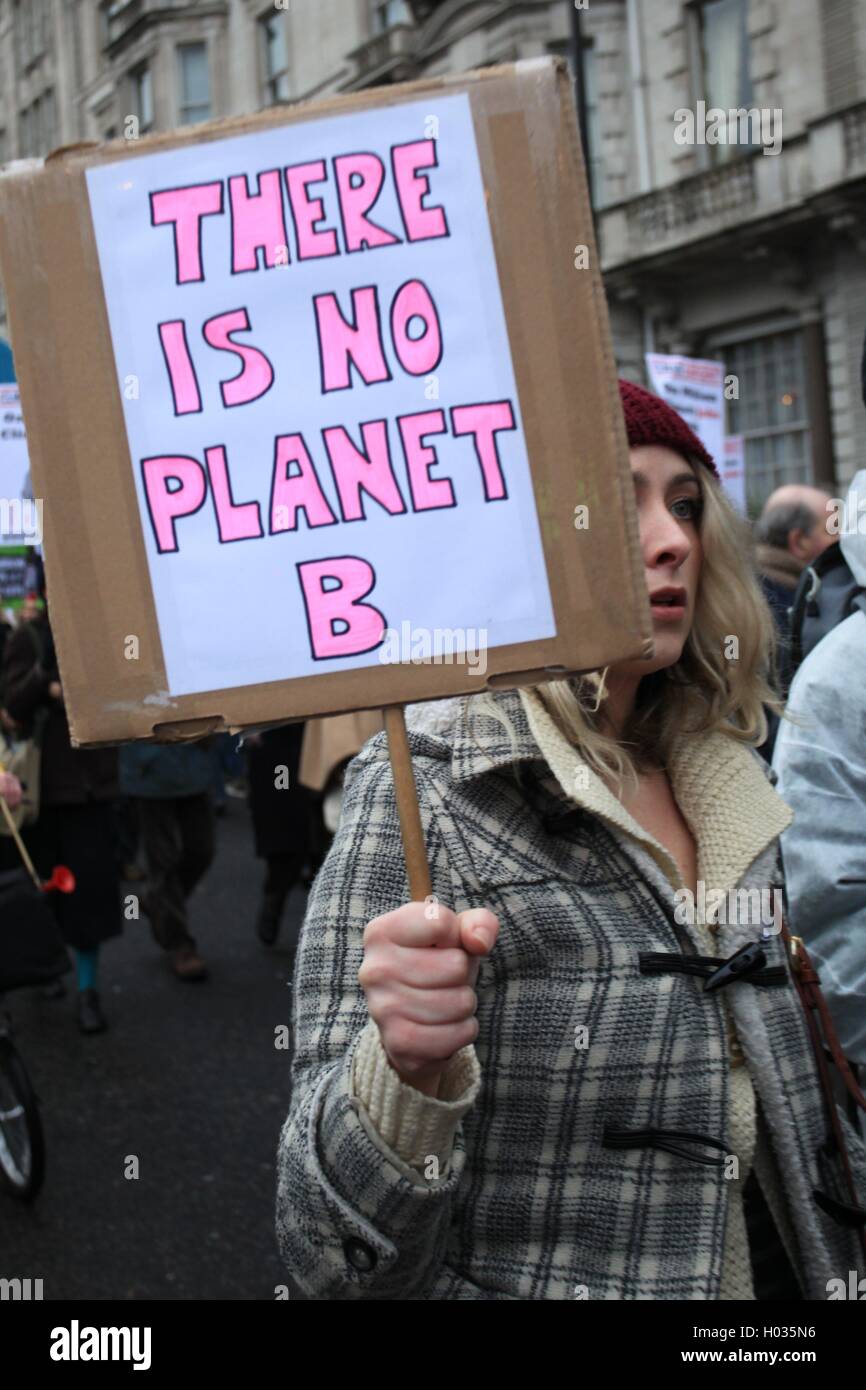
(733, 470)
(20, 516)
(695, 387)
(282, 366)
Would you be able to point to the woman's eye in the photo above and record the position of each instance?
(691, 508)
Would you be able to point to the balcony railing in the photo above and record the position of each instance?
(854, 134)
(711, 198)
(120, 17)
(386, 55)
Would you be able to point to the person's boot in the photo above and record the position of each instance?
(268, 920)
(187, 964)
(90, 1016)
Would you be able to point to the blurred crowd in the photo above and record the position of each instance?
(144, 813)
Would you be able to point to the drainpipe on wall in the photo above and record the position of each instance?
(580, 95)
(639, 106)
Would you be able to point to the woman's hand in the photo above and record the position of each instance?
(55, 690)
(10, 789)
(420, 965)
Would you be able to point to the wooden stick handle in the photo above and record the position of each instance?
(407, 804)
(20, 843)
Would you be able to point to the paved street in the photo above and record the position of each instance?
(188, 1079)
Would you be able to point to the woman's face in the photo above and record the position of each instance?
(668, 498)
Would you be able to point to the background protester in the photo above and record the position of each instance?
(172, 786)
(228, 771)
(790, 532)
(75, 825)
(328, 747)
(5, 630)
(281, 810)
(820, 758)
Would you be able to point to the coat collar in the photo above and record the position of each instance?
(720, 785)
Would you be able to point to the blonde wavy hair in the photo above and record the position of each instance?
(707, 689)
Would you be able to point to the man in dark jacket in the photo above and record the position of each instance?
(76, 823)
(172, 787)
(789, 534)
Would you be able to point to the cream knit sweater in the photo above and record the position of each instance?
(420, 1129)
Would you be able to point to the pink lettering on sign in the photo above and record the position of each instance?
(427, 493)
(257, 222)
(483, 422)
(166, 504)
(181, 372)
(359, 183)
(412, 188)
(235, 521)
(343, 345)
(413, 304)
(371, 471)
(256, 375)
(184, 208)
(308, 212)
(298, 491)
(349, 579)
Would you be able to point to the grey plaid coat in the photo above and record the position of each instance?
(540, 1202)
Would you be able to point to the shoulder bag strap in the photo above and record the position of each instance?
(815, 1007)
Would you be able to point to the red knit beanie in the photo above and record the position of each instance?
(650, 420)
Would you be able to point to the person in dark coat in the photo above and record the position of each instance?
(280, 808)
(76, 823)
(790, 533)
(172, 786)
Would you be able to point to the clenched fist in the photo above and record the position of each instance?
(418, 975)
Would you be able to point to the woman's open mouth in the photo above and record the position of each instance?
(669, 605)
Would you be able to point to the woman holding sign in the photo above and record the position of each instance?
(521, 1088)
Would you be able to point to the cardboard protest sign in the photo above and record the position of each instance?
(321, 406)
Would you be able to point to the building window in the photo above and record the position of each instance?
(726, 82)
(387, 13)
(594, 163)
(32, 21)
(24, 133)
(275, 60)
(772, 412)
(36, 127)
(194, 82)
(78, 65)
(142, 97)
(49, 126)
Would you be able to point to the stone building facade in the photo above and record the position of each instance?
(712, 249)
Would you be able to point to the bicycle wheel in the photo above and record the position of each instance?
(22, 1145)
